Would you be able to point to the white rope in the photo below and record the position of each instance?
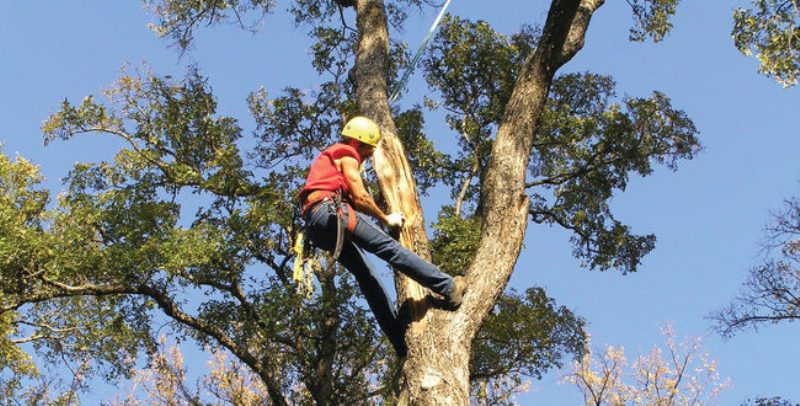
(399, 86)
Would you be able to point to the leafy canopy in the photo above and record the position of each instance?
(586, 147)
(768, 29)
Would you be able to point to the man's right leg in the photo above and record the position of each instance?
(372, 239)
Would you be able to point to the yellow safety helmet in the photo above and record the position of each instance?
(362, 129)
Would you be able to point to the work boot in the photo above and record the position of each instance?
(455, 297)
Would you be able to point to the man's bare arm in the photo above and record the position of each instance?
(362, 200)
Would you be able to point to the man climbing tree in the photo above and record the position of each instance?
(333, 189)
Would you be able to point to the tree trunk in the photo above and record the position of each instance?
(436, 371)
(393, 171)
(321, 377)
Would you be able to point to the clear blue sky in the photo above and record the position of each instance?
(708, 216)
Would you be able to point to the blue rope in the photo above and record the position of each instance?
(399, 86)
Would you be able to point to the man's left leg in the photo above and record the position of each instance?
(384, 310)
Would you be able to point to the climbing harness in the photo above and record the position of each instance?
(345, 215)
(399, 86)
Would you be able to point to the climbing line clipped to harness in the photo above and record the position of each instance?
(399, 86)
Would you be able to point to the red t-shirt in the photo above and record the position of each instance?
(323, 174)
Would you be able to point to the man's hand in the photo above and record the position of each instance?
(395, 220)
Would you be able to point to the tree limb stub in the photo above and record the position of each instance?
(577, 33)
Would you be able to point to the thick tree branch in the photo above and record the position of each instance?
(326, 347)
(169, 307)
(476, 161)
(49, 332)
(467, 182)
(503, 197)
(577, 32)
(589, 167)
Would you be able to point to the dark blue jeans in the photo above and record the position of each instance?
(321, 226)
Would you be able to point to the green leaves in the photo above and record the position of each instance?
(332, 49)
(525, 336)
(22, 217)
(426, 162)
(173, 137)
(769, 31)
(38, 246)
(586, 147)
(20, 199)
(178, 19)
(122, 242)
(455, 241)
(71, 120)
(15, 364)
(295, 125)
(312, 12)
(116, 228)
(474, 69)
(651, 18)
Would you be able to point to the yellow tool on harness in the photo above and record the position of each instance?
(302, 271)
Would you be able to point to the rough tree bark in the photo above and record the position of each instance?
(436, 371)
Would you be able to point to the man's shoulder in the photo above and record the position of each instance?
(339, 151)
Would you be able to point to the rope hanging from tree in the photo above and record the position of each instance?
(399, 85)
